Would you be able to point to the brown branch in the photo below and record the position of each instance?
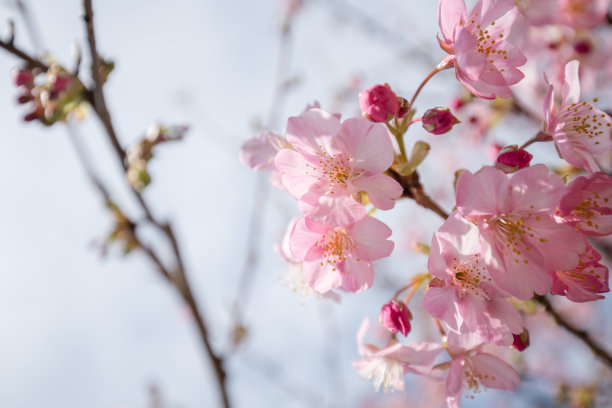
(414, 189)
(580, 334)
(178, 277)
(31, 61)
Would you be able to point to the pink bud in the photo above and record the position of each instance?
(511, 159)
(521, 341)
(22, 77)
(438, 120)
(379, 103)
(395, 316)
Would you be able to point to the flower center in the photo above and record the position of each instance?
(584, 123)
(337, 244)
(469, 274)
(335, 169)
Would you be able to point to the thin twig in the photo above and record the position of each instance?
(179, 277)
(580, 334)
(31, 61)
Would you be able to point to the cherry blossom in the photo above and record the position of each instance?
(331, 162)
(584, 282)
(587, 204)
(258, 152)
(462, 294)
(485, 61)
(473, 369)
(395, 316)
(578, 128)
(387, 366)
(339, 256)
(519, 237)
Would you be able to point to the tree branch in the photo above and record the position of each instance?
(582, 335)
(178, 277)
(414, 189)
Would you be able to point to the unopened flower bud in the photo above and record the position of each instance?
(379, 103)
(511, 159)
(438, 120)
(22, 77)
(395, 316)
(521, 341)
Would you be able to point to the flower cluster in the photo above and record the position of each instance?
(52, 95)
(518, 231)
(332, 168)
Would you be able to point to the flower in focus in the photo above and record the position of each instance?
(339, 257)
(395, 316)
(387, 366)
(379, 103)
(438, 120)
(578, 128)
(462, 294)
(331, 162)
(587, 204)
(584, 282)
(485, 61)
(520, 240)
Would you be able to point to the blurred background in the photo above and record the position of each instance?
(82, 325)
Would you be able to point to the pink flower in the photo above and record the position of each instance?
(339, 257)
(379, 103)
(485, 61)
(395, 316)
(438, 120)
(258, 152)
(388, 365)
(587, 204)
(511, 159)
(520, 240)
(462, 293)
(578, 128)
(472, 369)
(330, 162)
(585, 281)
(584, 13)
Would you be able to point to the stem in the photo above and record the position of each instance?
(179, 277)
(580, 334)
(33, 62)
(413, 189)
(539, 137)
(427, 78)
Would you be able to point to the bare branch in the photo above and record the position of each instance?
(582, 335)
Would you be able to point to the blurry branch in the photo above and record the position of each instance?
(581, 334)
(31, 61)
(178, 276)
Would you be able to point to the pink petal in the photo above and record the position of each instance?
(381, 190)
(357, 276)
(570, 92)
(469, 61)
(450, 13)
(495, 373)
(368, 143)
(370, 237)
(312, 130)
(294, 173)
(322, 278)
(454, 383)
